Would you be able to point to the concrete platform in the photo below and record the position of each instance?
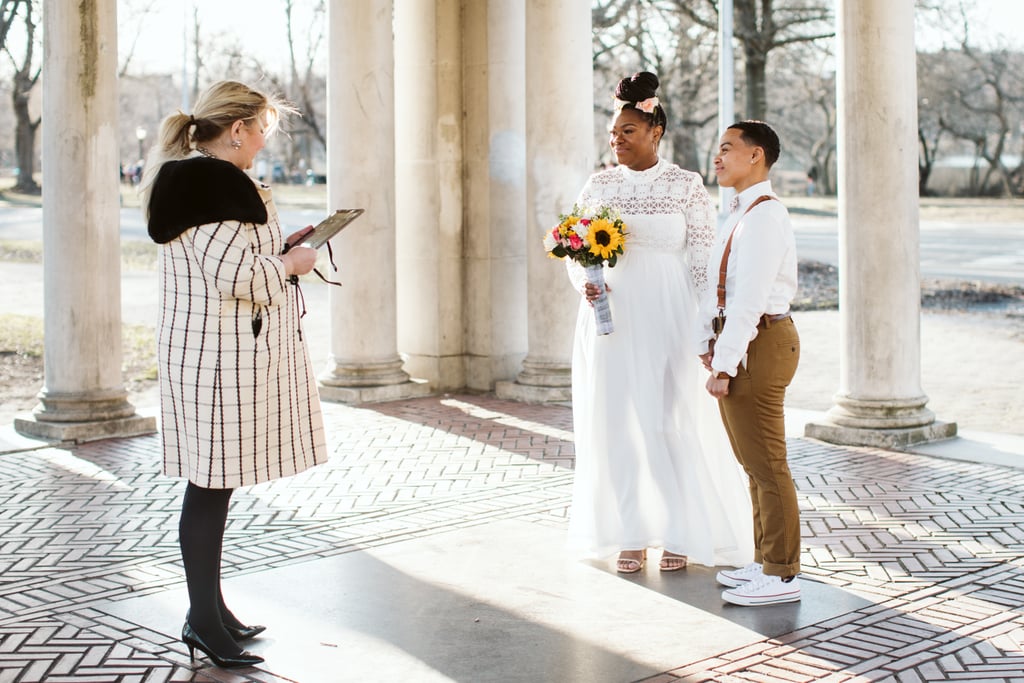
(495, 602)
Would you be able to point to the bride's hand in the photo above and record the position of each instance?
(592, 291)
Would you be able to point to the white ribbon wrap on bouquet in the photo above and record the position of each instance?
(602, 311)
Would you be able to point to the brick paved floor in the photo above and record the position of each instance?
(935, 547)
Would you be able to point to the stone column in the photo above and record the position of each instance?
(497, 239)
(560, 157)
(364, 363)
(880, 400)
(428, 198)
(83, 395)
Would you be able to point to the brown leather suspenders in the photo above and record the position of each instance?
(718, 323)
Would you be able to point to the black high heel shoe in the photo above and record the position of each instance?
(192, 641)
(240, 633)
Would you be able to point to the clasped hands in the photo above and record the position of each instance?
(719, 388)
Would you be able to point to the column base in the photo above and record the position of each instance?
(35, 427)
(84, 406)
(530, 393)
(373, 382)
(413, 388)
(883, 423)
(893, 439)
(539, 382)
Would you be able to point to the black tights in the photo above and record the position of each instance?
(204, 514)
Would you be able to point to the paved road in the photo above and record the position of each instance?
(26, 223)
(992, 252)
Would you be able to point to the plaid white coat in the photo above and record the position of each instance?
(237, 408)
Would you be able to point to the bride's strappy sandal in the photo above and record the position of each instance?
(672, 563)
(630, 565)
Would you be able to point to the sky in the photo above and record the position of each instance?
(259, 26)
(993, 21)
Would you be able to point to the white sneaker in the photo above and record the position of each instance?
(738, 577)
(766, 590)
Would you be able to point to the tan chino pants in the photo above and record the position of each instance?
(754, 420)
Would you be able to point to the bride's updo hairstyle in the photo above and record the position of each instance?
(639, 92)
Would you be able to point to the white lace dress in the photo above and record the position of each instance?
(653, 464)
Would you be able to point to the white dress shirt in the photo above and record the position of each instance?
(761, 276)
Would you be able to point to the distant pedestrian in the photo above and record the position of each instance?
(751, 346)
(238, 397)
(812, 180)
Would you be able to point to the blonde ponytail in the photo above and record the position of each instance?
(217, 109)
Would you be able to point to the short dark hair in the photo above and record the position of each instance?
(760, 134)
(637, 88)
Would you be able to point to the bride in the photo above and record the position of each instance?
(653, 466)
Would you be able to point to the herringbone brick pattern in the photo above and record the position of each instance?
(936, 546)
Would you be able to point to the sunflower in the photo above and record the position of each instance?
(605, 238)
(567, 225)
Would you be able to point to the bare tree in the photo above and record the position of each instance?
(978, 97)
(26, 75)
(937, 73)
(635, 35)
(135, 16)
(305, 88)
(301, 84)
(762, 26)
(197, 54)
(805, 114)
(989, 99)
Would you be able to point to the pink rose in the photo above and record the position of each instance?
(575, 241)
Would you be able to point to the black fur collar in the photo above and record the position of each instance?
(200, 190)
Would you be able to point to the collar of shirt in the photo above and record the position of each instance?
(745, 198)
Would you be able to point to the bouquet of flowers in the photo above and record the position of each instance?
(591, 237)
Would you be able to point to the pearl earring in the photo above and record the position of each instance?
(237, 144)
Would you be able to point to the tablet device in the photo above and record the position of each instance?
(330, 226)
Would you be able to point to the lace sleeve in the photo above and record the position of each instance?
(700, 234)
(577, 274)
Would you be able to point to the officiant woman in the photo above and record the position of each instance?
(238, 399)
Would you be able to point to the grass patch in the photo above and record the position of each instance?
(139, 348)
(138, 255)
(21, 335)
(21, 251)
(135, 255)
